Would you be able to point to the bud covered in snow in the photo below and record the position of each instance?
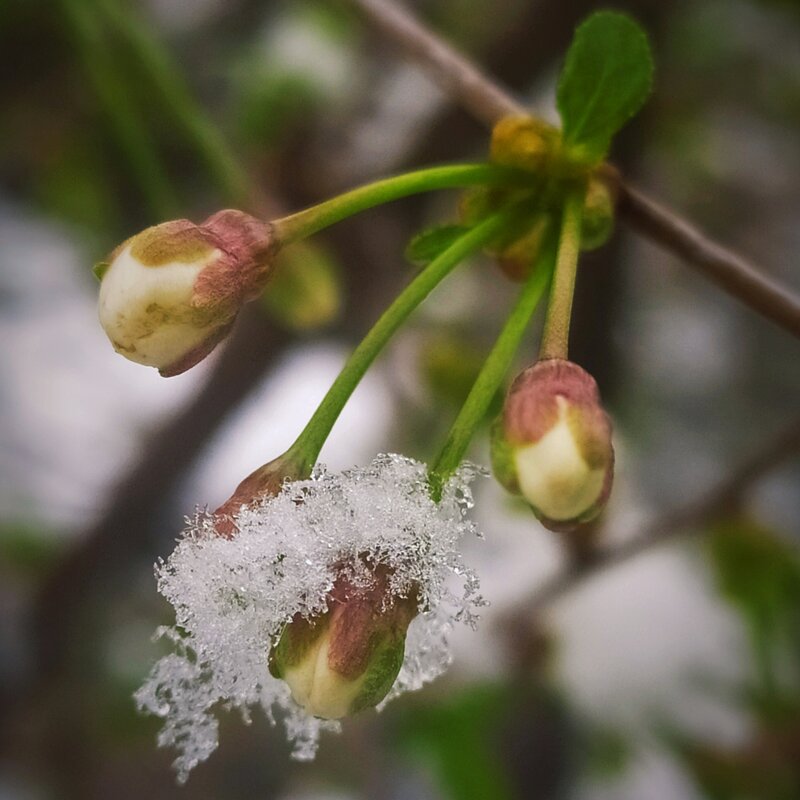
(346, 659)
(552, 444)
(259, 485)
(170, 294)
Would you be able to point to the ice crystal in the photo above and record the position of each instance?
(233, 596)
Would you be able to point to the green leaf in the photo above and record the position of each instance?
(100, 269)
(457, 740)
(607, 77)
(758, 573)
(431, 242)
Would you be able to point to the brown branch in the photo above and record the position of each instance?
(456, 75)
(485, 100)
(723, 497)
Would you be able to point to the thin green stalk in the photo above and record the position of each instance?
(555, 339)
(111, 92)
(491, 375)
(310, 220)
(177, 99)
(308, 445)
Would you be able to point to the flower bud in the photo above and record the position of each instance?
(347, 658)
(523, 142)
(552, 444)
(170, 294)
(597, 220)
(263, 483)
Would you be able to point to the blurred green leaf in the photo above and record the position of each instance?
(305, 293)
(607, 753)
(756, 771)
(75, 186)
(606, 78)
(271, 103)
(758, 573)
(449, 365)
(26, 549)
(457, 737)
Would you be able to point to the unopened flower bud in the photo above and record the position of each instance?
(597, 220)
(263, 483)
(552, 444)
(170, 294)
(523, 142)
(346, 659)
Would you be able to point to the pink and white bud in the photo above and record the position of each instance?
(552, 444)
(346, 659)
(171, 293)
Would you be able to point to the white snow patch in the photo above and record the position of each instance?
(233, 596)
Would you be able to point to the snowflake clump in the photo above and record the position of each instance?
(234, 596)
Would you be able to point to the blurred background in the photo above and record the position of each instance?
(675, 675)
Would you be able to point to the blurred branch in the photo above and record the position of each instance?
(483, 98)
(722, 498)
(457, 76)
(727, 269)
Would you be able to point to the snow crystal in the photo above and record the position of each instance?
(232, 597)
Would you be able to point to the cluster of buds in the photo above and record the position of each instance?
(171, 293)
(346, 659)
(529, 144)
(552, 444)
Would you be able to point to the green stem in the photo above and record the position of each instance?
(310, 220)
(308, 445)
(491, 375)
(555, 339)
(166, 78)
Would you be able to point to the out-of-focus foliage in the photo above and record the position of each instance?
(462, 741)
(758, 572)
(305, 293)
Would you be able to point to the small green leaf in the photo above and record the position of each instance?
(100, 269)
(431, 242)
(607, 77)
